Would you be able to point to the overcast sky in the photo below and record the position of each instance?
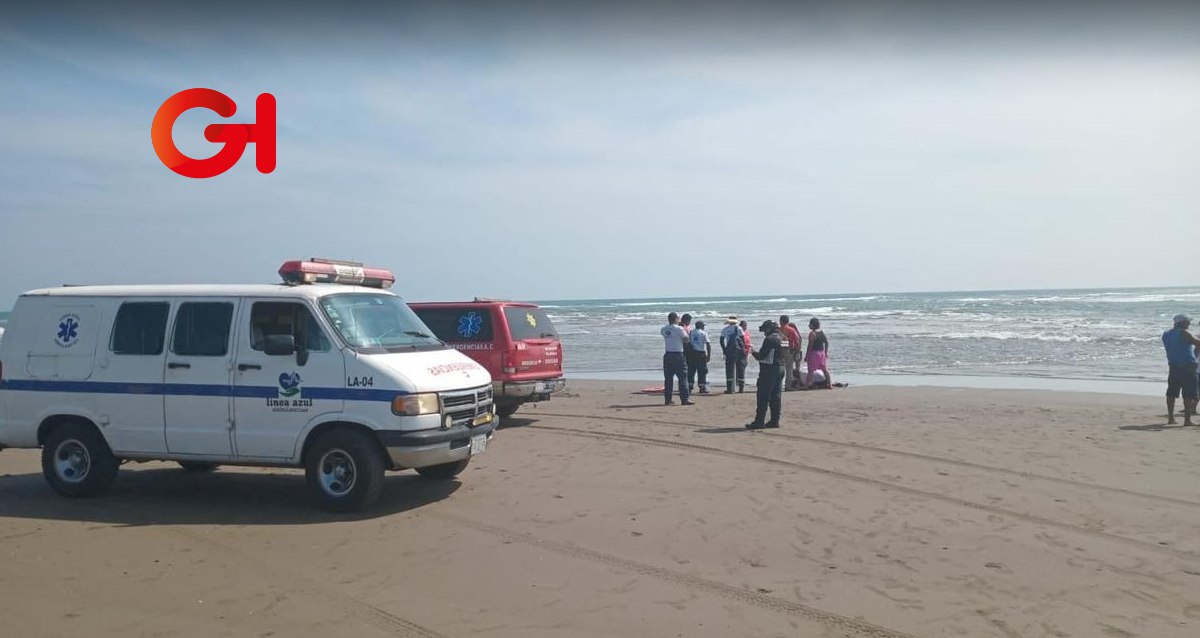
(541, 152)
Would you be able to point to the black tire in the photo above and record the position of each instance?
(505, 411)
(445, 471)
(344, 470)
(198, 466)
(77, 461)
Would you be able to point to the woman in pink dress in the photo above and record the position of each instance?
(817, 356)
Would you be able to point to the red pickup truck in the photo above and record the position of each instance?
(515, 341)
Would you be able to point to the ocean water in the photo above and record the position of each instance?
(1107, 340)
(1079, 339)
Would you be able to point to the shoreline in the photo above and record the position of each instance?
(1127, 387)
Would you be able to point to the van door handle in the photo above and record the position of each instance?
(249, 366)
(174, 364)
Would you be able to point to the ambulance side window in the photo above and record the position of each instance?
(140, 328)
(458, 324)
(286, 318)
(202, 329)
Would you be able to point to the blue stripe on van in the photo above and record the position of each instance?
(195, 390)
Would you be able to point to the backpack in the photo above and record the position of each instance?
(735, 346)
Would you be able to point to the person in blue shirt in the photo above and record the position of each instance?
(1181, 359)
(733, 345)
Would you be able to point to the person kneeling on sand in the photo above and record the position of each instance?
(1181, 359)
(770, 373)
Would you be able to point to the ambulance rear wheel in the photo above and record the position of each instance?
(77, 461)
(445, 471)
(344, 469)
(198, 466)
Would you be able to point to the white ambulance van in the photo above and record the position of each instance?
(327, 371)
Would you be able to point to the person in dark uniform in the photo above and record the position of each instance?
(770, 373)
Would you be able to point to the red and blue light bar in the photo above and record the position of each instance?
(335, 271)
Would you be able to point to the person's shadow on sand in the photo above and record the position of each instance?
(171, 496)
(1155, 427)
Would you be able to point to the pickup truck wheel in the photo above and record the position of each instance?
(445, 471)
(198, 466)
(344, 469)
(77, 461)
(505, 411)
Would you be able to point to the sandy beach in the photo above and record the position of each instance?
(873, 511)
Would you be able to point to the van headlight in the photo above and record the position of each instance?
(416, 404)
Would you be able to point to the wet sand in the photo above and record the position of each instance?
(873, 511)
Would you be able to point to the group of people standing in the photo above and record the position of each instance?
(688, 351)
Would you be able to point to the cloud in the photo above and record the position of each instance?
(668, 148)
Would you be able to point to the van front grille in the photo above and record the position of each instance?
(449, 402)
(465, 405)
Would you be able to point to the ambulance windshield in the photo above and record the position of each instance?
(377, 323)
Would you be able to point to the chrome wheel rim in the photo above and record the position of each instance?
(72, 461)
(337, 473)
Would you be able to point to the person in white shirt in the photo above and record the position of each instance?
(701, 354)
(674, 365)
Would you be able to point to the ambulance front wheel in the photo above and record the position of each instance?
(77, 461)
(344, 469)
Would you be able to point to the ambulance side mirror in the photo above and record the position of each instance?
(279, 345)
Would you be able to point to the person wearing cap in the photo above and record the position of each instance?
(770, 371)
(674, 365)
(732, 346)
(701, 355)
(1181, 361)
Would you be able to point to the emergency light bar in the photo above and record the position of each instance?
(332, 271)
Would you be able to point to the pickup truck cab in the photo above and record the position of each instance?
(327, 371)
(514, 341)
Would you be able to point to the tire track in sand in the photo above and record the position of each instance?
(696, 583)
(353, 607)
(385, 621)
(912, 455)
(991, 509)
